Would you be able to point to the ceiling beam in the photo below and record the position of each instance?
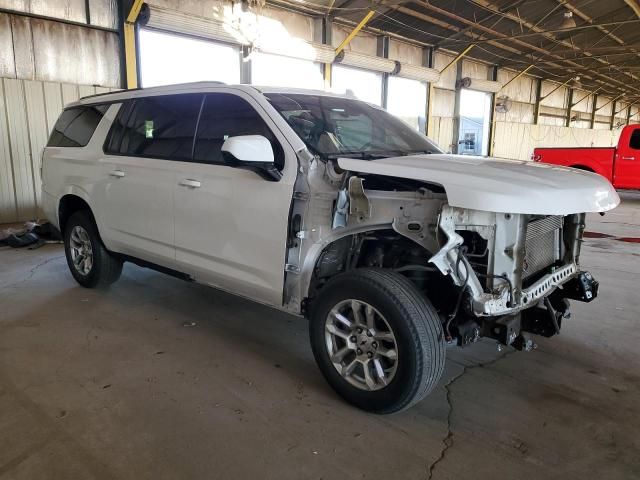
(500, 38)
(487, 4)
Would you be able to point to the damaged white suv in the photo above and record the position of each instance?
(327, 207)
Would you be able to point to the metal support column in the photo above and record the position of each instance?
(427, 61)
(383, 51)
(536, 106)
(493, 75)
(322, 34)
(567, 121)
(594, 104)
(455, 141)
(245, 64)
(612, 120)
(130, 47)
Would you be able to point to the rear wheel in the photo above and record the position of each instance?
(377, 340)
(89, 261)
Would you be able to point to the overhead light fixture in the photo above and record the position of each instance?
(575, 83)
(568, 21)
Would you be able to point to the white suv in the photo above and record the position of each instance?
(325, 207)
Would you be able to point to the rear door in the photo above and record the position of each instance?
(231, 224)
(145, 150)
(627, 164)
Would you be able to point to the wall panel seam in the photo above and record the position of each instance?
(33, 174)
(13, 176)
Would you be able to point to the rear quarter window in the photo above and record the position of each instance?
(76, 125)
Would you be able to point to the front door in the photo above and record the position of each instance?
(627, 164)
(231, 224)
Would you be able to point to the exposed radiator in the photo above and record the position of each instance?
(542, 245)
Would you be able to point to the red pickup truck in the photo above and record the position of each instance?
(620, 165)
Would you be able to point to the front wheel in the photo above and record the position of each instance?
(377, 340)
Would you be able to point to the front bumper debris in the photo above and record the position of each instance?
(545, 318)
(583, 288)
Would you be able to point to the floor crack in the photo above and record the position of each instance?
(32, 272)
(447, 441)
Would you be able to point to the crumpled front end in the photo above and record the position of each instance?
(515, 272)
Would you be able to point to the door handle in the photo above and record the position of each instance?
(628, 158)
(117, 173)
(188, 182)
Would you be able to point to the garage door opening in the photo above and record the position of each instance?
(167, 59)
(475, 115)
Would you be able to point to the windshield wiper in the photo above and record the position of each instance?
(367, 154)
(415, 152)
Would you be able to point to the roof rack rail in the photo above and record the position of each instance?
(123, 90)
(109, 93)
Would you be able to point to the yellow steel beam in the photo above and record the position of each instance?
(610, 101)
(430, 97)
(130, 46)
(587, 96)
(458, 57)
(557, 88)
(327, 76)
(355, 31)
(135, 11)
(130, 55)
(635, 6)
(517, 76)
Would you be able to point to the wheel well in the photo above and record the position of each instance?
(390, 250)
(70, 204)
(582, 167)
(374, 249)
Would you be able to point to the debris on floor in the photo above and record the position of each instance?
(33, 235)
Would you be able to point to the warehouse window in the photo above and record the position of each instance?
(407, 100)
(75, 126)
(362, 84)
(167, 59)
(157, 127)
(279, 71)
(223, 116)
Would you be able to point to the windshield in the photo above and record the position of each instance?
(336, 127)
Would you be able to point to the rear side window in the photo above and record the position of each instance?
(76, 125)
(226, 115)
(156, 127)
(635, 140)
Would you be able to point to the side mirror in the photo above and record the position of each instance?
(251, 152)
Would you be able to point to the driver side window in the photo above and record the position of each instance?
(226, 115)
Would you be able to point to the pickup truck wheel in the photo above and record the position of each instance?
(90, 263)
(377, 340)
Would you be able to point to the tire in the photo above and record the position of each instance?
(406, 313)
(81, 237)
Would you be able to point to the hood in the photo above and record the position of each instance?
(499, 185)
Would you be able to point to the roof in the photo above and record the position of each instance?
(193, 87)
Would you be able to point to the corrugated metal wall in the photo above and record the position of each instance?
(28, 111)
(47, 50)
(517, 140)
(45, 64)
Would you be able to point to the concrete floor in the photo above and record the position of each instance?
(114, 384)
